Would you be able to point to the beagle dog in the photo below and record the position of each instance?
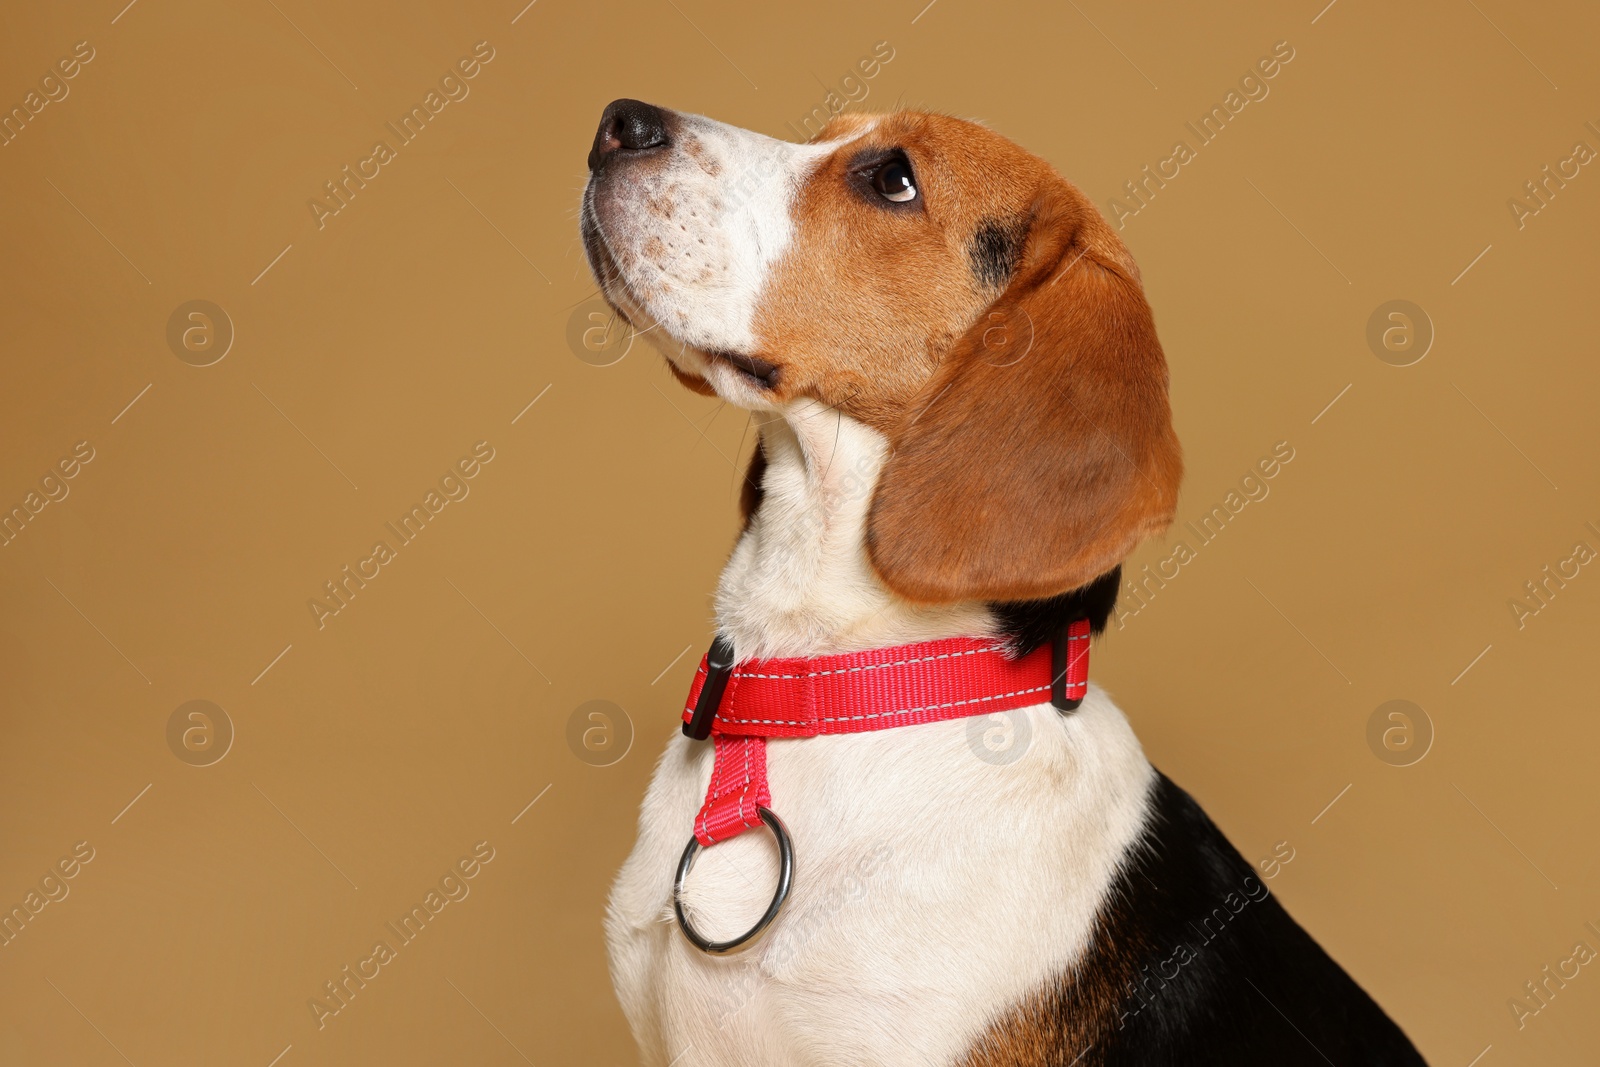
(964, 429)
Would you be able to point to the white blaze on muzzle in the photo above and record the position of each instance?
(693, 232)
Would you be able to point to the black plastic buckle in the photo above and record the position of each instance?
(719, 665)
(1058, 671)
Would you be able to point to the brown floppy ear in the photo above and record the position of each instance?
(1042, 450)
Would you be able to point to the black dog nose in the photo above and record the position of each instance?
(628, 126)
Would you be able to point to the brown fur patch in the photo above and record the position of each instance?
(1041, 451)
(995, 330)
(692, 382)
(868, 301)
(1075, 1018)
(1067, 1021)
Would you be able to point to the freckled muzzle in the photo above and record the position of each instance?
(682, 218)
(630, 133)
(633, 219)
(632, 145)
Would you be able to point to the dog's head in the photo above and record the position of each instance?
(931, 279)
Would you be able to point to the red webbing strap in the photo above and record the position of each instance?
(738, 788)
(874, 690)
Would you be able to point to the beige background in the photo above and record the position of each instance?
(426, 316)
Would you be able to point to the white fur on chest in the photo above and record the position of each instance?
(933, 887)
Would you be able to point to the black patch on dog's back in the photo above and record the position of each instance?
(1194, 963)
(1257, 990)
(994, 249)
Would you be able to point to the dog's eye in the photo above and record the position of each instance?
(894, 181)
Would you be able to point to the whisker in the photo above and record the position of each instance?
(748, 422)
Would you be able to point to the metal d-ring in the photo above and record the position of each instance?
(785, 881)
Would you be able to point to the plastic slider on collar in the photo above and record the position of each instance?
(719, 665)
(1069, 667)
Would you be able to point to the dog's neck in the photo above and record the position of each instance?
(799, 582)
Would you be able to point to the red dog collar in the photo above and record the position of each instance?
(741, 706)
